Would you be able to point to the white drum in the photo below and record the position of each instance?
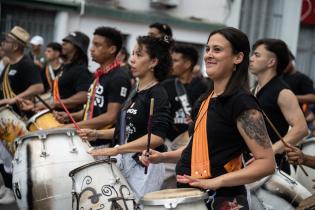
(307, 147)
(41, 166)
(278, 191)
(100, 185)
(179, 199)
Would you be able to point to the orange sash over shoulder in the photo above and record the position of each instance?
(200, 161)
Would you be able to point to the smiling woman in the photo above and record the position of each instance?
(227, 121)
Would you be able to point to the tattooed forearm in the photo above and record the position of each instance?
(254, 126)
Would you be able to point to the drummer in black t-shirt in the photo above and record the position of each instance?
(270, 58)
(227, 121)
(21, 78)
(150, 62)
(110, 87)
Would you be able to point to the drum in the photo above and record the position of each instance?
(180, 199)
(41, 165)
(100, 185)
(279, 191)
(307, 147)
(11, 127)
(307, 204)
(42, 120)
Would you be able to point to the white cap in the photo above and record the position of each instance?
(37, 40)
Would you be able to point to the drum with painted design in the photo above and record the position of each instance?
(41, 165)
(11, 127)
(278, 191)
(100, 185)
(42, 120)
(307, 204)
(179, 199)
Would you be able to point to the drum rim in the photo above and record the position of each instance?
(80, 168)
(33, 118)
(40, 133)
(7, 106)
(180, 200)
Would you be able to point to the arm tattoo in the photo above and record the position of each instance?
(254, 126)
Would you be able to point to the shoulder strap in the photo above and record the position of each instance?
(6, 86)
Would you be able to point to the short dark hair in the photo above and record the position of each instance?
(112, 35)
(188, 52)
(160, 49)
(163, 28)
(55, 46)
(239, 43)
(279, 48)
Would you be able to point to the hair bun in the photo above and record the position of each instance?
(167, 41)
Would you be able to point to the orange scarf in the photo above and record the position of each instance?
(200, 161)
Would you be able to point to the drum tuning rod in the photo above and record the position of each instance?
(149, 130)
(281, 138)
(44, 102)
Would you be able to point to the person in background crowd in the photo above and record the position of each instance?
(123, 57)
(53, 66)
(227, 122)
(110, 87)
(150, 62)
(269, 59)
(159, 30)
(36, 54)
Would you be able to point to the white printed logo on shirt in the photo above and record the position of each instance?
(123, 92)
(12, 72)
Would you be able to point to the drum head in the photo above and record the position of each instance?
(34, 117)
(173, 197)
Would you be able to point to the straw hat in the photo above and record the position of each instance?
(19, 34)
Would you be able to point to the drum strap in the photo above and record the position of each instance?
(89, 107)
(6, 86)
(200, 161)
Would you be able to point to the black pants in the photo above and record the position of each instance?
(7, 178)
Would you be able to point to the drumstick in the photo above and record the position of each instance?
(149, 130)
(44, 102)
(281, 139)
(72, 120)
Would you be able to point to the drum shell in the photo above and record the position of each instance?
(103, 181)
(11, 127)
(176, 201)
(308, 148)
(41, 166)
(42, 120)
(281, 185)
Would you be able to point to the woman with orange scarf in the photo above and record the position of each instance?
(227, 121)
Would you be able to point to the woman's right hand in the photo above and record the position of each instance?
(295, 155)
(88, 134)
(151, 157)
(61, 117)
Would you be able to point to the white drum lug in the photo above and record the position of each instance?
(43, 137)
(17, 152)
(171, 205)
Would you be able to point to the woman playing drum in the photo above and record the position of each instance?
(227, 121)
(150, 62)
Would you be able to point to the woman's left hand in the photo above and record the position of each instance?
(211, 184)
(104, 152)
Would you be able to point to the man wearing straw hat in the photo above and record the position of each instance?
(21, 78)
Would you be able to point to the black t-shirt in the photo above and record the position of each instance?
(225, 143)
(74, 78)
(194, 90)
(113, 88)
(137, 114)
(44, 76)
(22, 75)
(267, 98)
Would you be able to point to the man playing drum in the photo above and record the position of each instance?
(269, 59)
(110, 87)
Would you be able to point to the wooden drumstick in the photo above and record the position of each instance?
(44, 102)
(281, 139)
(149, 130)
